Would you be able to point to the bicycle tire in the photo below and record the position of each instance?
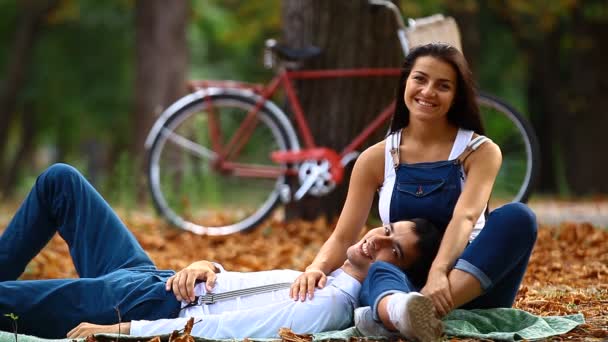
(227, 106)
(518, 142)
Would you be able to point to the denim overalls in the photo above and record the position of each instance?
(498, 255)
(116, 275)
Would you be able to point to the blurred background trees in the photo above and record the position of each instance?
(81, 81)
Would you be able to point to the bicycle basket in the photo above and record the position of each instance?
(434, 29)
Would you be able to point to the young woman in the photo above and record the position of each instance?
(435, 164)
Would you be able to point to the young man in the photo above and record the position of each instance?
(118, 278)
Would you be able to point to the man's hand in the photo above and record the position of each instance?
(437, 288)
(306, 283)
(182, 283)
(86, 329)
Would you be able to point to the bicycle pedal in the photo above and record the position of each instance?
(285, 193)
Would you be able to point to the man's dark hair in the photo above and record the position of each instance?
(429, 239)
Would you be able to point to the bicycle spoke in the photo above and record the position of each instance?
(189, 145)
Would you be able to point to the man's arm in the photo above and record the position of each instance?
(86, 329)
(182, 283)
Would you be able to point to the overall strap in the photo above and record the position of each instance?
(395, 142)
(211, 298)
(472, 146)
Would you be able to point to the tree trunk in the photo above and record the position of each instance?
(545, 107)
(583, 120)
(26, 34)
(467, 18)
(161, 62)
(25, 149)
(351, 34)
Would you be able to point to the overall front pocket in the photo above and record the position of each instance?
(420, 188)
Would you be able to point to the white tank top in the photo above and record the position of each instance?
(463, 138)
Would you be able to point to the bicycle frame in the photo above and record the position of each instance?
(284, 79)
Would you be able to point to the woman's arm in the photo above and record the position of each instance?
(367, 176)
(481, 168)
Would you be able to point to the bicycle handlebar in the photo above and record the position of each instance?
(393, 8)
(398, 19)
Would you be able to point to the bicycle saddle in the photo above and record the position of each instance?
(291, 54)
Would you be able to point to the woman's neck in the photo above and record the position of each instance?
(430, 131)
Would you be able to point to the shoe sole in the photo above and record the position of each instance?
(425, 327)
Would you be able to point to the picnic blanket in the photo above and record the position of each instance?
(496, 324)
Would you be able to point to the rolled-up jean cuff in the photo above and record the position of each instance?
(375, 315)
(466, 266)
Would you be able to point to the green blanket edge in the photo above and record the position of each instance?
(496, 324)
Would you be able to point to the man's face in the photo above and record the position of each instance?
(394, 243)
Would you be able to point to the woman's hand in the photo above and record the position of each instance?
(182, 283)
(87, 329)
(306, 283)
(437, 288)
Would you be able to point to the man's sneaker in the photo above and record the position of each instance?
(364, 322)
(418, 321)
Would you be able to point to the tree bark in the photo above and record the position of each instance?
(544, 107)
(160, 72)
(467, 18)
(351, 34)
(26, 35)
(24, 152)
(583, 120)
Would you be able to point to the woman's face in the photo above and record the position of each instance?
(430, 89)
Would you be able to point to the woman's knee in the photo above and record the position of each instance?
(520, 219)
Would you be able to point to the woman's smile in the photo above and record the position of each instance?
(425, 103)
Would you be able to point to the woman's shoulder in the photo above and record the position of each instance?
(371, 161)
(488, 152)
(490, 146)
(374, 153)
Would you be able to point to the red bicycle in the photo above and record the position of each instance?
(220, 158)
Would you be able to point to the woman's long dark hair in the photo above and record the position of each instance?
(464, 112)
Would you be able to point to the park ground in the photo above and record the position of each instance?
(568, 271)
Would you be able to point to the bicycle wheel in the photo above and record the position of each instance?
(519, 145)
(202, 184)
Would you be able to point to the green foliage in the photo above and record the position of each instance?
(81, 75)
(80, 79)
(227, 37)
(14, 319)
(121, 182)
(12, 316)
(415, 9)
(8, 10)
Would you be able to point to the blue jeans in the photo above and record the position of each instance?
(498, 258)
(116, 275)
